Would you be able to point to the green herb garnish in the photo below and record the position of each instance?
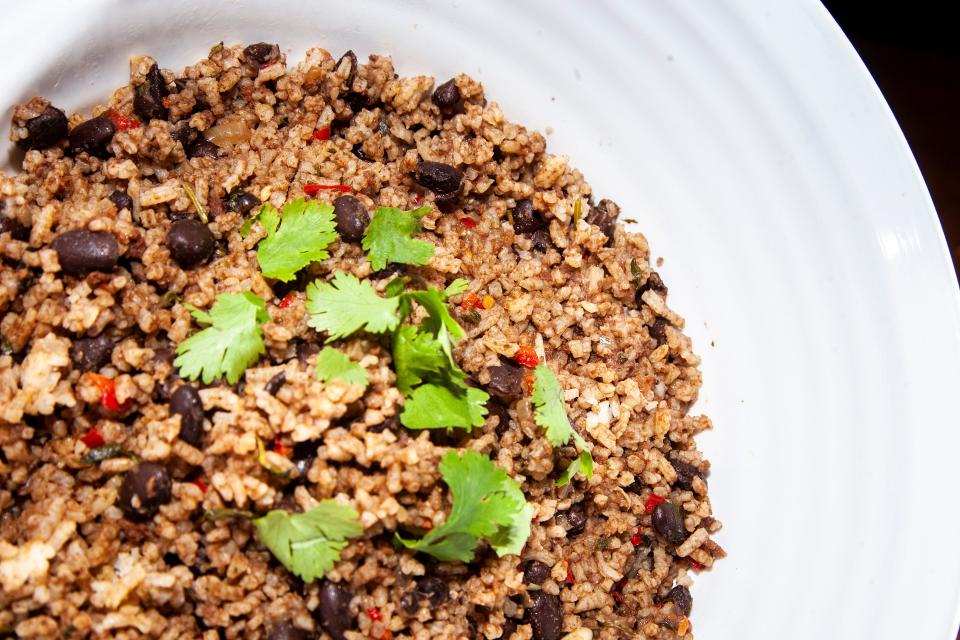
(309, 544)
(299, 238)
(487, 505)
(335, 365)
(232, 342)
(550, 413)
(389, 238)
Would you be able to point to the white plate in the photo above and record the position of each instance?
(799, 239)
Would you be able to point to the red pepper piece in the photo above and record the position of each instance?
(569, 579)
(696, 565)
(471, 301)
(108, 392)
(636, 539)
(200, 485)
(287, 301)
(322, 134)
(468, 222)
(92, 438)
(652, 502)
(417, 199)
(279, 447)
(526, 356)
(312, 188)
(374, 614)
(121, 122)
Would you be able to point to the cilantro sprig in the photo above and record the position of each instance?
(487, 505)
(296, 240)
(551, 414)
(335, 365)
(437, 395)
(232, 342)
(309, 544)
(389, 238)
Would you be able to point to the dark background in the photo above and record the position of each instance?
(912, 49)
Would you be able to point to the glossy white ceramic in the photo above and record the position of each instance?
(761, 161)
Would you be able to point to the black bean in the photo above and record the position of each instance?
(358, 152)
(184, 134)
(45, 130)
(685, 474)
(535, 572)
(498, 409)
(92, 136)
(186, 403)
(654, 283)
(352, 218)
(433, 589)
(575, 518)
(410, 602)
(439, 177)
(506, 381)
(447, 95)
(241, 202)
(334, 608)
(540, 240)
(203, 148)
(81, 250)
(681, 598)
(145, 487)
(508, 629)
(286, 631)
(273, 384)
(447, 202)
(148, 96)
(525, 219)
(658, 330)
(262, 53)
(545, 616)
(304, 453)
(604, 217)
(352, 57)
(190, 242)
(668, 521)
(89, 354)
(122, 200)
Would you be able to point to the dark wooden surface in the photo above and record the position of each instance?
(913, 51)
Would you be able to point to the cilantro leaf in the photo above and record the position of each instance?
(309, 543)
(434, 406)
(301, 237)
(334, 365)
(389, 238)
(347, 305)
(551, 414)
(231, 343)
(487, 504)
(456, 287)
(583, 462)
(416, 354)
